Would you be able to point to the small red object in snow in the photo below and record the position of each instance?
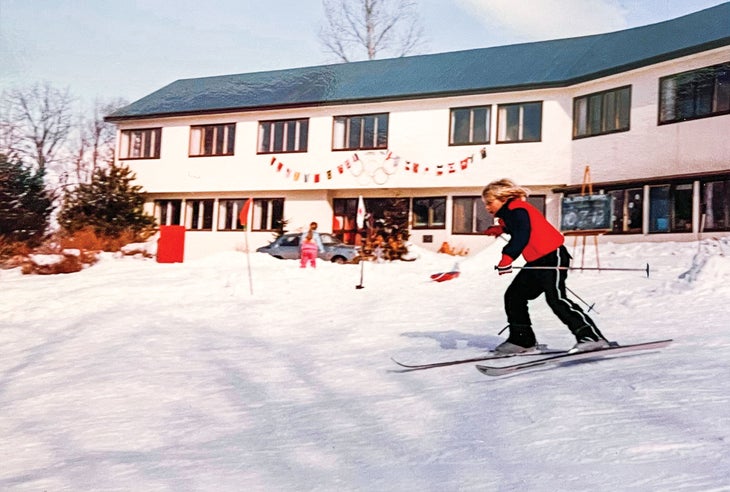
(444, 276)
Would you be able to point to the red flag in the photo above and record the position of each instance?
(243, 216)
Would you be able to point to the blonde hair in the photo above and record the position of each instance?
(503, 189)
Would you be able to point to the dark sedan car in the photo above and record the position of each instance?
(286, 247)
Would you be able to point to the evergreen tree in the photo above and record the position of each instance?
(110, 204)
(25, 204)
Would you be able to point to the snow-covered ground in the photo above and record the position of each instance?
(134, 375)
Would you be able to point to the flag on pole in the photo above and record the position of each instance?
(243, 216)
(360, 219)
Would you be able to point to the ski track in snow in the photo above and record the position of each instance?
(133, 375)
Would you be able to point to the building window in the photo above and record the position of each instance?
(199, 216)
(268, 214)
(602, 112)
(470, 126)
(628, 209)
(283, 136)
(429, 213)
(519, 122)
(369, 131)
(209, 140)
(344, 221)
(470, 216)
(682, 207)
(670, 208)
(228, 212)
(716, 205)
(140, 144)
(695, 94)
(168, 212)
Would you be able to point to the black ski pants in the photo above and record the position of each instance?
(529, 284)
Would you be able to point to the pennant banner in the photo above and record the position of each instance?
(371, 167)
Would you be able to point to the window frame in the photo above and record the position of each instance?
(342, 137)
(624, 202)
(599, 102)
(169, 211)
(721, 201)
(521, 125)
(229, 210)
(429, 222)
(271, 128)
(479, 217)
(693, 84)
(199, 214)
(208, 141)
(267, 214)
(471, 140)
(151, 140)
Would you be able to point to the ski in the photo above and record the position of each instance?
(613, 349)
(539, 350)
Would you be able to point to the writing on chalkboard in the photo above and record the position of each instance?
(586, 213)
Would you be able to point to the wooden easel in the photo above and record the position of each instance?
(586, 187)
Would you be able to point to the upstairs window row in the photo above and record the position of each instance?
(521, 123)
(685, 96)
(515, 123)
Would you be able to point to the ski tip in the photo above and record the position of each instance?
(402, 364)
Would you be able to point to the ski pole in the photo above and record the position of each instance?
(360, 285)
(501, 236)
(583, 268)
(590, 306)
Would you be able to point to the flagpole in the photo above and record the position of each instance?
(248, 262)
(360, 222)
(244, 219)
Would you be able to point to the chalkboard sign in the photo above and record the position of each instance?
(586, 213)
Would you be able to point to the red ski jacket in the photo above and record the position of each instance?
(532, 236)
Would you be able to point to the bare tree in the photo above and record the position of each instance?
(36, 123)
(372, 27)
(9, 132)
(95, 140)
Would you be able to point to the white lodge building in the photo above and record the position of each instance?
(648, 109)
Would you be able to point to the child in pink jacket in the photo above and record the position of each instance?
(308, 250)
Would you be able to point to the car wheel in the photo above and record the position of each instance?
(340, 260)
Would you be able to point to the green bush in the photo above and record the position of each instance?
(109, 204)
(25, 204)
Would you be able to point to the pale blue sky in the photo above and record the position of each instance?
(108, 49)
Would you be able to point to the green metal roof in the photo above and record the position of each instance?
(541, 64)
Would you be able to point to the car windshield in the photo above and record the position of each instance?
(292, 240)
(329, 239)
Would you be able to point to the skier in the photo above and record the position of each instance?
(541, 245)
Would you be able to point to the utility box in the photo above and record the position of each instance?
(171, 245)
